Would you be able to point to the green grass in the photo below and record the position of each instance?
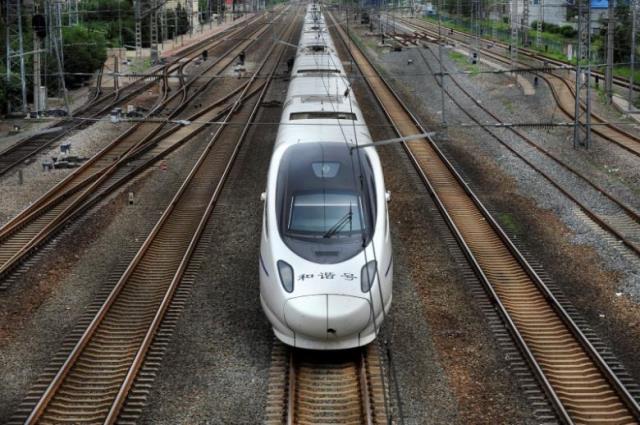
(140, 65)
(463, 62)
(508, 105)
(509, 222)
(625, 72)
(552, 40)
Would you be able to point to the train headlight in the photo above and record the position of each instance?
(367, 275)
(286, 275)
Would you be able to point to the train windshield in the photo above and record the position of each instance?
(325, 201)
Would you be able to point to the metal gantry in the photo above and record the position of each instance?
(137, 15)
(14, 50)
(153, 31)
(524, 23)
(611, 25)
(476, 17)
(582, 124)
(514, 33)
(539, 23)
(57, 43)
(632, 55)
(72, 11)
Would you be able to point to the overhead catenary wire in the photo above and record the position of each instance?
(542, 124)
(348, 95)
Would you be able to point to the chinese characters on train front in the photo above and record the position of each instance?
(327, 276)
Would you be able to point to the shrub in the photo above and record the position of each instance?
(84, 52)
(567, 31)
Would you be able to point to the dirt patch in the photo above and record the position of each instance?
(577, 269)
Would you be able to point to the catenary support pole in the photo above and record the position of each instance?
(611, 25)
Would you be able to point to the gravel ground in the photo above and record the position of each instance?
(28, 128)
(446, 370)
(15, 197)
(45, 303)
(598, 277)
(221, 347)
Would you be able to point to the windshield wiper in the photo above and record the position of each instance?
(340, 223)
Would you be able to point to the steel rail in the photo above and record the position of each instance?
(292, 391)
(109, 182)
(335, 388)
(74, 199)
(182, 203)
(532, 54)
(529, 309)
(613, 225)
(632, 215)
(12, 156)
(610, 132)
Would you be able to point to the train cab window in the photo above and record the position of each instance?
(321, 205)
(322, 115)
(313, 213)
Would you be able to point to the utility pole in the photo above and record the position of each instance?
(55, 37)
(72, 6)
(137, 13)
(36, 74)
(476, 16)
(525, 23)
(14, 50)
(632, 58)
(514, 34)
(39, 26)
(58, 46)
(189, 7)
(611, 26)
(539, 23)
(582, 124)
(442, 87)
(153, 31)
(163, 25)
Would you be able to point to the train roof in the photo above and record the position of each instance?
(317, 64)
(318, 86)
(298, 132)
(313, 37)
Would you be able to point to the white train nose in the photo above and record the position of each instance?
(327, 316)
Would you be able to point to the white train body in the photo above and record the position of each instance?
(326, 266)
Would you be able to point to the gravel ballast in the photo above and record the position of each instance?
(599, 276)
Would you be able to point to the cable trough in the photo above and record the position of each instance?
(577, 381)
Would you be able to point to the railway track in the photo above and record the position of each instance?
(94, 381)
(100, 176)
(310, 387)
(579, 384)
(611, 214)
(100, 105)
(562, 87)
(623, 83)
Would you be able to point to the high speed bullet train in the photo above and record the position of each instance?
(326, 264)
